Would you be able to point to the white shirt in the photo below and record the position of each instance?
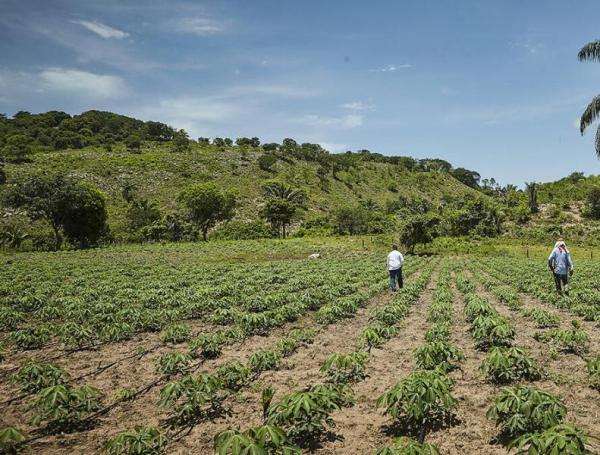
(395, 260)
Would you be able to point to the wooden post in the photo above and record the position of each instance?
(363, 241)
(528, 252)
(592, 254)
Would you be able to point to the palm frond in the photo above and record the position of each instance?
(590, 114)
(598, 142)
(591, 51)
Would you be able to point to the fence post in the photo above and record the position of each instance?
(363, 242)
(528, 252)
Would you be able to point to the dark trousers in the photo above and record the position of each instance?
(562, 282)
(396, 275)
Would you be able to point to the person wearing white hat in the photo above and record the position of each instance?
(561, 265)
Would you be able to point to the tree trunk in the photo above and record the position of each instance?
(57, 237)
(283, 227)
(204, 234)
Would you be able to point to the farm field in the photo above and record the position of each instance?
(226, 346)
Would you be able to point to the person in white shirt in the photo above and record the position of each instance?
(395, 260)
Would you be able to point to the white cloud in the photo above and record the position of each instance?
(333, 146)
(100, 29)
(82, 82)
(529, 45)
(391, 68)
(345, 121)
(357, 106)
(201, 26)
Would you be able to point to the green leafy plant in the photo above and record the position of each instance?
(11, 440)
(543, 319)
(65, 406)
(233, 374)
(35, 376)
(176, 333)
(77, 336)
(266, 398)
(343, 368)
(492, 331)
(407, 446)
(191, 398)
(573, 340)
(264, 360)
(438, 354)
(139, 441)
(173, 362)
(31, 338)
(521, 409)
(503, 365)
(438, 332)
(305, 415)
(265, 439)
(560, 439)
(420, 401)
(125, 394)
(208, 345)
(593, 368)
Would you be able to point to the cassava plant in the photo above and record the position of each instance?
(263, 440)
(560, 439)
(407, 446)
(504, 365)
(344, 368)
(35, 376)
(139, 441)
(438, 354)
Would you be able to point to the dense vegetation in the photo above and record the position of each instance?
(151, 182)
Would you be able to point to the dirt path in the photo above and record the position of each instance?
(474, 432)
(361, 428)
(567, 376)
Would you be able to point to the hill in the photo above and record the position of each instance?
(149, 162)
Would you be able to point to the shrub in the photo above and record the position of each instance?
(140, 441)
(343, 368)
(233, 374)
(593, 368)
(521, 409)
(560, 439)
(35, 376)
(573, 340)
(492, 331)
(10, 440)
(265, 439)
(191, 398)
(438, 354)
(264, 360)
(503, 365)
(421, 400)
(176, 333)
(173, 362)
(305, 415)
(266, 160)
(65, 406)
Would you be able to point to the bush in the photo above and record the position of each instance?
(438, 354)
(559, 439)
(240, 230)
(504, 365)
(140, 441)
(343, 368)
(266, 160)
(521, 409)
(421, 400)
(65, 406)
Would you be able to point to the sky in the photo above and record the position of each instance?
(493, 86)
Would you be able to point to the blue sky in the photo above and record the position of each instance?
(493, 86)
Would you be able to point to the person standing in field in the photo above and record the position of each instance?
(561, 265)
(395, 260)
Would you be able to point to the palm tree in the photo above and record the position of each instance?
(591, 51)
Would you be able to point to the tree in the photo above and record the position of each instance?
(133, 143)
(593, 203)
(2, 174)
(279, 212)
(282, 203)
(351, 220)
(206, 205)
(142, 213)
(266, 160)
(532, 202)
(419, 229)
(469, 178)
(181, 141)
(71, 208)
(591, 51)
(17, 148)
